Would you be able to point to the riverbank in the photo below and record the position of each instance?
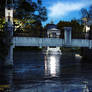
(87, 55)
(21, 48)
(69, 49)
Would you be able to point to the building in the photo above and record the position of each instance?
(53, 32)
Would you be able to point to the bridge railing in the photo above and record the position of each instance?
(32, 41)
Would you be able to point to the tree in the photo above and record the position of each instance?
(90, 12)
(87, 19)
(31, 14)
(42, 13)
(30, 10)
(86, 14)
(27, 14)
(76, 28)
(24, 9)
(2, 8)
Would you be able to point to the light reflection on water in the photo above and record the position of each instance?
(43, 73)
(52, 65)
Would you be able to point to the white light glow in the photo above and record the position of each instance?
(87, 29)
(77, 55)
(53, 66)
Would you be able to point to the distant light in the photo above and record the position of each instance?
(87, 29)
(77, 55)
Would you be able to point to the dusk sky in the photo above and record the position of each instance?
(64, 9)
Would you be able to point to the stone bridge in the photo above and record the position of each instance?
(32, 41)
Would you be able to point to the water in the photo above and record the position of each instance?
(37, 72)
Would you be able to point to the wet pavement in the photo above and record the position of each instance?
(37, 72)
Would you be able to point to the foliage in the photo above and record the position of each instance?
(2, 8)
(2, 22)
(31, 15)
(76, 28)
(25, 10)
(86, 13)
(28, 15)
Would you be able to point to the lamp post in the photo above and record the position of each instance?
(9, 23)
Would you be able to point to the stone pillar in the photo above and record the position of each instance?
(90, 44)
(67, 35)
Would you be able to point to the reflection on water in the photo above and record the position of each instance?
(35, 72)
(52, 65)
